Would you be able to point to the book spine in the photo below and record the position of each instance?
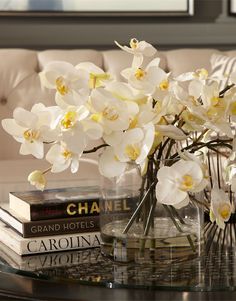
(81, 208)
(61, 226)
(26, 246)
(60, 243)
(75, 208)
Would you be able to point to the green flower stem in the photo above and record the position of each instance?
(176, 213)
(93, 150)
(197, 146)
(134, 215)
(225, 90)
(200, 202)
(172, 142)
(172, 218)
(179, 228)
(201, 136)
(149, 223)
(142, 189)
(209, 168)
(218, 168)
(150, 217)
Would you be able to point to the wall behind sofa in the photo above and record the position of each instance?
(207, 28)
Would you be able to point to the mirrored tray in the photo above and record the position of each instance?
(215, 270)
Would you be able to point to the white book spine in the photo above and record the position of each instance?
(24, 246)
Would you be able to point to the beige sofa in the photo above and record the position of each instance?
(20, 86)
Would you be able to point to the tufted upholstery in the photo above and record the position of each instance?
(20, 86)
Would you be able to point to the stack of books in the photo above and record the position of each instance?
(53, 220)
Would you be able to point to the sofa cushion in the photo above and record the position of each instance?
(72, 56)
(184, 60)
(221, 68)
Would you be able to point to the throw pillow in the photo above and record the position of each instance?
(221, 68)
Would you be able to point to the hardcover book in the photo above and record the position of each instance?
(51, 260)
(48, 227)
(44, 244)
(56, 203)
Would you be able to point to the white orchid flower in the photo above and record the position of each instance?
(199, 158)
(70, 124)
(192, 122)
(212, 113)
(108, 165)
(112, 113)
(176, 181)
(124, 91)
(139, 49)
(230, 99)
(62, 158)
(131, 146)
(171, 131)
(76, 128)
(164, 85)
(215, 110)
(71, 84)
(221, 208)
(211, 99)
(149, 112)
(199, 74)
(37, 179)
(148, 78)
(97, 77)
(229, 167)
(31, 129)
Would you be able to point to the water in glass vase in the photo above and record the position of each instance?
(135, 227)
(164, 244)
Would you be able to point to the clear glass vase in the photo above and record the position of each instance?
(134, 227)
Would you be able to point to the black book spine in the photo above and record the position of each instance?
(75, 208)
(61, 226)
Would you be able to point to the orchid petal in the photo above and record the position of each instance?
(109, 166)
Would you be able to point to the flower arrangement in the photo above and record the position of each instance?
(148, 117)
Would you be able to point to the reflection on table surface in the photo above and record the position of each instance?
(215, 270)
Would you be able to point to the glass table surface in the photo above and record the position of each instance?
(215, 270)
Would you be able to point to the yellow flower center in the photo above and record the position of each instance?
(61, 86)
(224, 211)
(67, 154)
(139, 74)
(31, 135)
(190, 117)
(164, 85)
(96, 80)
(133, 43)
(96, 117)
(116, 158)
(215, 101)
(233, 108)
(110, 113)
(69, 120)
(132, 152)
(187, 183)
(133, 122)
(217, 108)
(201, 73)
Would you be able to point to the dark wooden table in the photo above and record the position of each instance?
(92, 277)
(17, 287)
